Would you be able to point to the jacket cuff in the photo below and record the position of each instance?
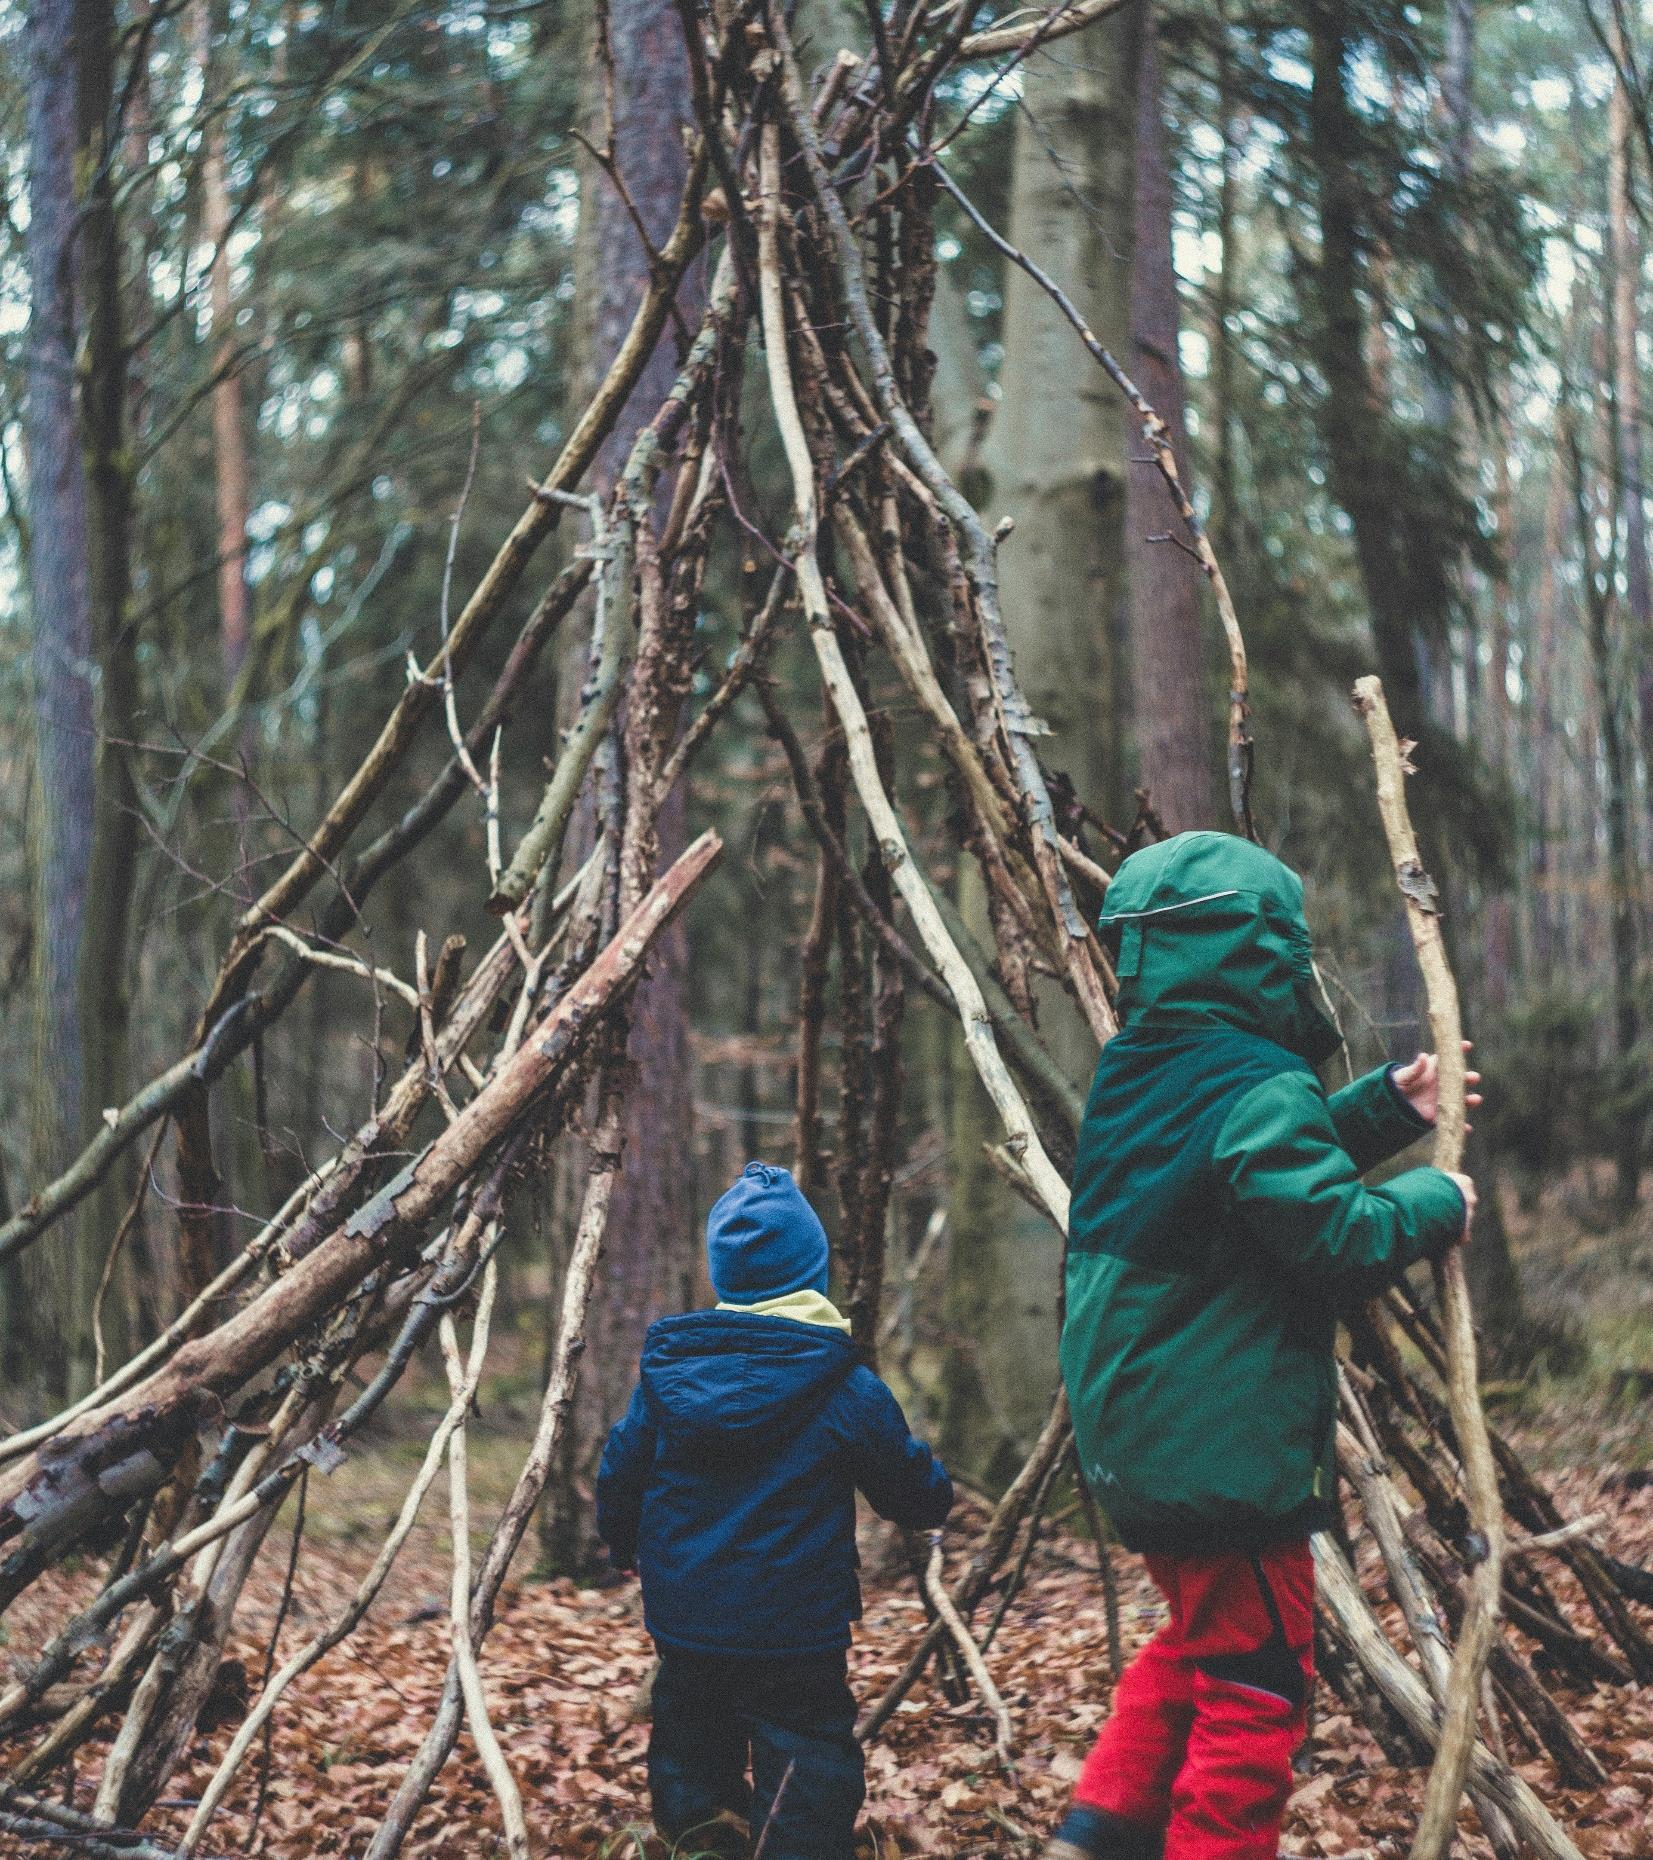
(1373, 1119)
(1437, 1208)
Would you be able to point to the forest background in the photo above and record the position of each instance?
(348, 267)
(344, 276)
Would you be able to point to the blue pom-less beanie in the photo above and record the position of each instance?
(763, 1239)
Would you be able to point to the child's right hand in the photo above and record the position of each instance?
(1466, 1188)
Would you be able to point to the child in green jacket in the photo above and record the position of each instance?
(1219, 1224)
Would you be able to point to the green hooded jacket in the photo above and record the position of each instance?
(1219, 1222)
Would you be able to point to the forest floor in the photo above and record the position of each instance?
(564, 1664)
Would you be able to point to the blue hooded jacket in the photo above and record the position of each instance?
(730, 1483)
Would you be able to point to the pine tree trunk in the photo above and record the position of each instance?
(1498, 956)
(1407, 580)
(84, 672)
(1625, 264)
(1547, 763)
(649, 1261)
(231, 468)
(1606, 665)
(1175, 724)
(1225, 523)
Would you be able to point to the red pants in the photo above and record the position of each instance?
(1209, 1714)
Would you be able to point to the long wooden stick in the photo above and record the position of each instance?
(461, 1385)
(1361, 1460)
(1486, 1511)
(965, 1641)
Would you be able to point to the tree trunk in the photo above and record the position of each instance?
(649, 1262)
(79, 507)
(1625, 264)
(1406, 575)
(1225, 515)
(1175, 725)
(1057, 451)
(1606, 665)
(1055, 457)
(1407, 583)
(1498, 956)
(231, 468)
(202, 1234)
(1547, 763)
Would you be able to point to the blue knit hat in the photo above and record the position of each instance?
(763, 1239)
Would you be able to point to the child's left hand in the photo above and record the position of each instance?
(1420, 1085)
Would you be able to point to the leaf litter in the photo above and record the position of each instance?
(565, 1667)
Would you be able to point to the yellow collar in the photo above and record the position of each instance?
(805, 1307)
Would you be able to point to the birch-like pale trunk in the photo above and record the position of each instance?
(1055, 461)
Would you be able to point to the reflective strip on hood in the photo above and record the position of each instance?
(1159, 910)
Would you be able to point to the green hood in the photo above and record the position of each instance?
(1211, 928)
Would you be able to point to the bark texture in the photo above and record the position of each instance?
(1174, 719)
(79, 510)
(1055, 462)
(647, 1266)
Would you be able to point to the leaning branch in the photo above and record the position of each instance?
(948, 1615)
(1406, 1694)
(56, 1500)
(998, 40)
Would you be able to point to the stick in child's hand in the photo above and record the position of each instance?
(1438, 1819)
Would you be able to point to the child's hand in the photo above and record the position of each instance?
(1466, 1188)
(1420, 1085)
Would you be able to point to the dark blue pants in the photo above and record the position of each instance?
(792, 1719)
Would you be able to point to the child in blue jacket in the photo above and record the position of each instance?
(730, 1486)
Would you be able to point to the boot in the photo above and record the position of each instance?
(1094, 1834)
(724, 1837)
